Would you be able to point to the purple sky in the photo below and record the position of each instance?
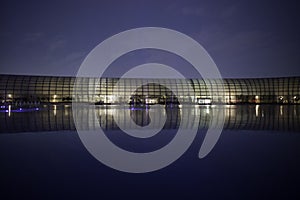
(245, 38)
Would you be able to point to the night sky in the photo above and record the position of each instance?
(244, 38)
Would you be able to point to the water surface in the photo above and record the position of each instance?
(257, 156)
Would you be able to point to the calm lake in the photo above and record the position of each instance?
(256, 157)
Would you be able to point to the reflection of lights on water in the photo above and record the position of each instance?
(281, 110)
(196, 110)
(106, 111)
(110, 111)
(9, 110)
(207, 110)
(229, 106)
(19, 110)
(256, 110)
(230, 110)
(66, 112)
(54, 110)
(66, 109)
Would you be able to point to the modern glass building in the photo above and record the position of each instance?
(21, 89)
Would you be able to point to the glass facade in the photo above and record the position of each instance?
(19, 89)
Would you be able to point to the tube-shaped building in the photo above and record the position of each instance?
(18, 89)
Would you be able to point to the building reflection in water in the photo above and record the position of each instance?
(237, 117)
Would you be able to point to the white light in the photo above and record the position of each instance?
(256, 110)
(256, 97)
(207, 101)
(109, 98)
(150, 101)
(54, 110)
(207, 109)
(9, 96)
(9, 110)
(54, 98)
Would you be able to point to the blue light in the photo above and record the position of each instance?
(134, 108)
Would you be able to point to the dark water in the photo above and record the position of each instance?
(256, 157)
